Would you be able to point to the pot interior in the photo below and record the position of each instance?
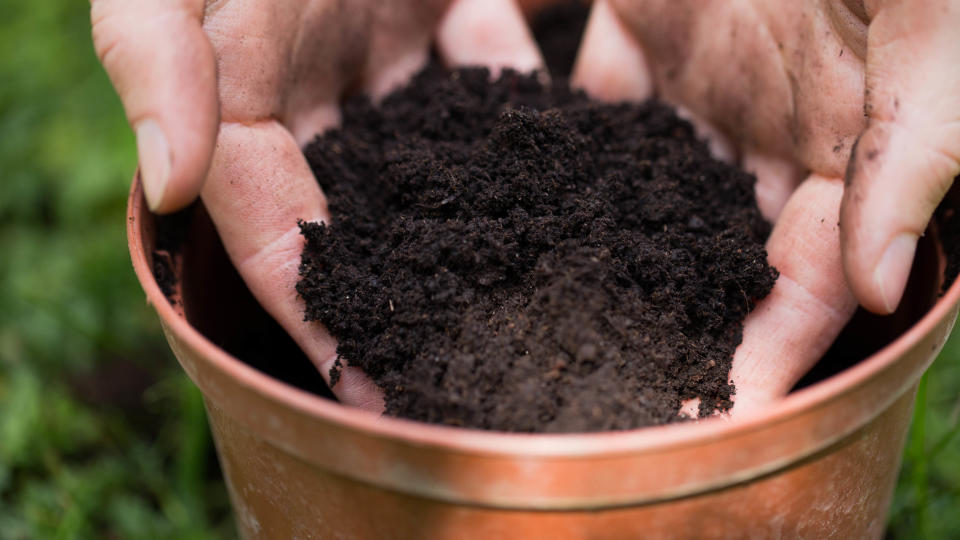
(216, 302)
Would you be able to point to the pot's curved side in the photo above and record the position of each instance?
(843, 493)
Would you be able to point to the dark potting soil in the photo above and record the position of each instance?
(947, 218)
(517, 257)
(171, 232)
(558, 29)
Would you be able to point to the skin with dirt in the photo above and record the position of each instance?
(517, 257)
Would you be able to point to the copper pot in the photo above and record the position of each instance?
(820, 464)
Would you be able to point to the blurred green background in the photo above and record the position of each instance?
(101, 434)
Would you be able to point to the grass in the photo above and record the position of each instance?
(101, 435)
(928, 493)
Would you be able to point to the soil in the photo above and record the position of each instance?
(948, 221)
(171, 232)
(514, 256)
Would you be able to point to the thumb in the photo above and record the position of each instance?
(162, 66)
(905, 161)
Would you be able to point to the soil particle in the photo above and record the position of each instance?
(517, 257)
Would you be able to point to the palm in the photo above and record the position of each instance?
(784, 79)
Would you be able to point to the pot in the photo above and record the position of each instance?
(820, 464)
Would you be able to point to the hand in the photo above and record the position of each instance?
(222, 94)
(866, 90)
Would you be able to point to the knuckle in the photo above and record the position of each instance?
(104, 27)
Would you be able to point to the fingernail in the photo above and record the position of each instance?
(893, 269)
(154, 153)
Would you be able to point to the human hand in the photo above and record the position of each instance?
(866, 90)
(222, 94)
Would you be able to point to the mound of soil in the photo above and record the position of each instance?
(517, 257)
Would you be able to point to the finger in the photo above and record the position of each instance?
(306, 125)
(295, 67)
(398, 47)
(907, 158)
(324, 62)
(720, 146)
(790, 329)
(776, 180)
(162, 66)
(491, 33)
(611, 65)
(258, 188)
(690, 408)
